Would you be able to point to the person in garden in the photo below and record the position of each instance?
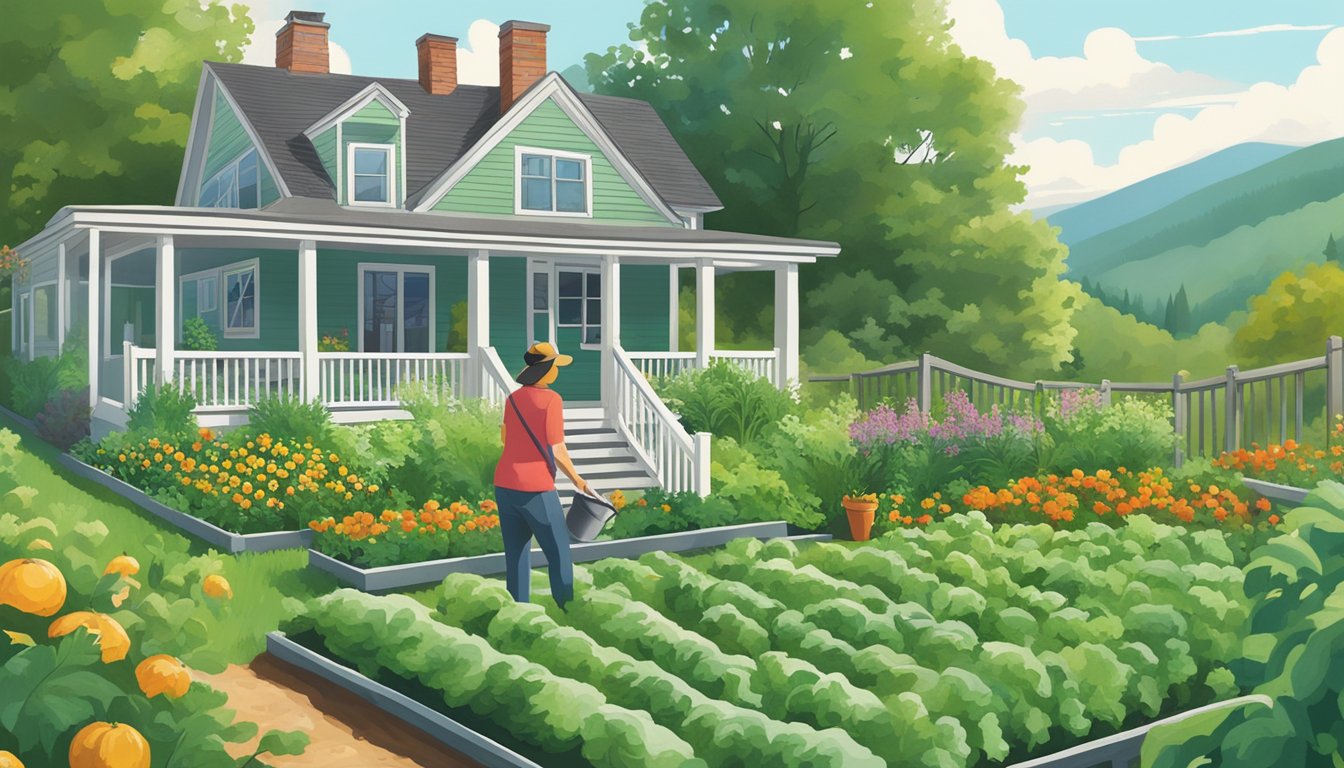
(529, 505)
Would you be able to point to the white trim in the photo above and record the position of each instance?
(552, 85)
(25, 333)
(95, 277)
(585, 271)
(239, 267)
(704, 314)
(32, 310)
(256, 139)
(107, 285)
(188, 167)
(391, 175)
(674, 304)
(165, 265)
(62, 306)
(401, 270)
(371, 93)
(541, 266)
(401, 149)
(586, 159)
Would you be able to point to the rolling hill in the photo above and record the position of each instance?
(1086, 220)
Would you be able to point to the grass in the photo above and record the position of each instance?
(261, 582)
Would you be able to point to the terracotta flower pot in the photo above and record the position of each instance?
(861, 512)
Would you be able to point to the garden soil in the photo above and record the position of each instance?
(346, 731)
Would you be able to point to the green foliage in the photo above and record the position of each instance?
(123, 93)
(814, 452)
(64, 420)
(31, 383)
(1294, 316)
(1086, 435)
(755, 488)
(290, 416)
(453, 448)
(972, 276)
(165, 412)
(197, 336)
(726, 400)
(1116, 346)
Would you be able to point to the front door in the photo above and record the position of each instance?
(565, 308)
(396, 309)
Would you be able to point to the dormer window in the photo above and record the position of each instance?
(234, 186)
(551, 182)
(372, 174)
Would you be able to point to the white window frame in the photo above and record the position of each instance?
(233, 166)
(583, 324)
(212, 274)
(32, 312)
(401, 270)
(24, 329)
(541, 267)
(587, 160)
(254, 332)
(392, 175)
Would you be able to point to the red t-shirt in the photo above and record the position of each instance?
(522, 467)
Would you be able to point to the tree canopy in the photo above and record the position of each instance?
(862, 122)
(1293, 317)
(96, 99)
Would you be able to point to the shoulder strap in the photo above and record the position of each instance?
(545, 454)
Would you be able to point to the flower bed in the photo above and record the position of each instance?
(1289, 464)
(434, 531)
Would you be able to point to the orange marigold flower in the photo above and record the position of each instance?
(924, 519)
(1273, 519)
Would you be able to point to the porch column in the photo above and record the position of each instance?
(786, 325)
(311, 387)
(704, 313)
(165, 289)
(673, 308)
(611, 328)
(61, 308)
(96, 329)
(478, 318)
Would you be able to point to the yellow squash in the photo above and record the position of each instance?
(32, 586)
(163, 674)
(109, 745)
(112, 639)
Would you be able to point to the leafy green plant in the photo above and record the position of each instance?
(290, 416)
(31, 382)
(1086, 434)
(64, 420)
(197, 336)
(165, 412)
(455, 445)
(726, 400)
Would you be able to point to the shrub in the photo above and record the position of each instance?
(454, 446)
(197, 336)
(1088, 435)
(814, 452)
(164, 412)
(754, 491)
(726, 400)
(31, 383)
(290, 416)
(64, 420)
(335, 342)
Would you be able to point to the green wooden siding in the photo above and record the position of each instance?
(277, 295)
(489, 187)
(508, 310)
(325, 144)
(228, 141)
(135, 305)
(338, 293)
(374, 124)
(644, 307)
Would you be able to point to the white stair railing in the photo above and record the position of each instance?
(496, 384)
(374, 379)
(677, 458)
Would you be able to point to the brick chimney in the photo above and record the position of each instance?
(438, 63)
(522, 59)
(301, 45)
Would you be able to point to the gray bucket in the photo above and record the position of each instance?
(587, 516)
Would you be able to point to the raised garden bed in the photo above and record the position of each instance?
(225, 541)
(1287, 494)
(392, 577)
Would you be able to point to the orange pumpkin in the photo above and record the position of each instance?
(163, 674)
(8, 760)
(112, 639)
(33, 586)
(109, 745)
(217, 586)
(124, 565)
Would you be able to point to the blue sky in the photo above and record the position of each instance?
(1116, 90)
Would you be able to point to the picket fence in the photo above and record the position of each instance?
(1296, 400)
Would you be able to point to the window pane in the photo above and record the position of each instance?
(570, 284)
(541, 291)
(240, 309)
(371, 161)
(594, 284)
(247, 188)
(593, 335)
(209, 192)
(415, 296)
(536, 165)
(594, 311)
(371, 189)
(568, 169)
(380, 311)
(536, 194)
(571, 312)
(570, 196)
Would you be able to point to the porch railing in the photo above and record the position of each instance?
(677, 458)
(763, 363)
(232, 380)
(496, 384)
(373, 379)
(137, 372)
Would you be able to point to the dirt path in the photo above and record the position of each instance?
(346, 731)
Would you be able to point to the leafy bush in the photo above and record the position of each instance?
(165, 412)
(726, 400)
(813, 451)
(1086, 434)
(197, 336)
(64, 420)
(290, 416)
(754, 491)
(454, 447)
(31, 383)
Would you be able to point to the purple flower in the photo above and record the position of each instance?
(961, 424)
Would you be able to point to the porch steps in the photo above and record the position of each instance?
(600, 454)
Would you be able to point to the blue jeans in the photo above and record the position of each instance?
(522, 515)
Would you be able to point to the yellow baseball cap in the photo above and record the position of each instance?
(540, 357)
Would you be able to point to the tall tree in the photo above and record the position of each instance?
(97, 99)
(1293, 317)
(862, 122)
(1331, 249)
(1181, 309)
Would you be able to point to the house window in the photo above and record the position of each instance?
(240, 301)
(396, 308)
(552, 182)
(579, 303)
(44, 313)
(207, 294)
(371, 174)
(234, 186)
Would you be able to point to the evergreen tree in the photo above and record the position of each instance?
(1331, 249)
(1181, 311)
(1169, 318)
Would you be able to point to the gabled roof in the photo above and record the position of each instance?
(374, 92)
(280, 105)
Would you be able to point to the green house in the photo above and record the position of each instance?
(340, 237)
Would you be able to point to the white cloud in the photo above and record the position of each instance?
(1245, 32)
(269, 17)
(478, 60)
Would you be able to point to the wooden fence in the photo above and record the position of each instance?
(1296, 400)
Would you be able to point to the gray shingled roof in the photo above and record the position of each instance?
(281, 104)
